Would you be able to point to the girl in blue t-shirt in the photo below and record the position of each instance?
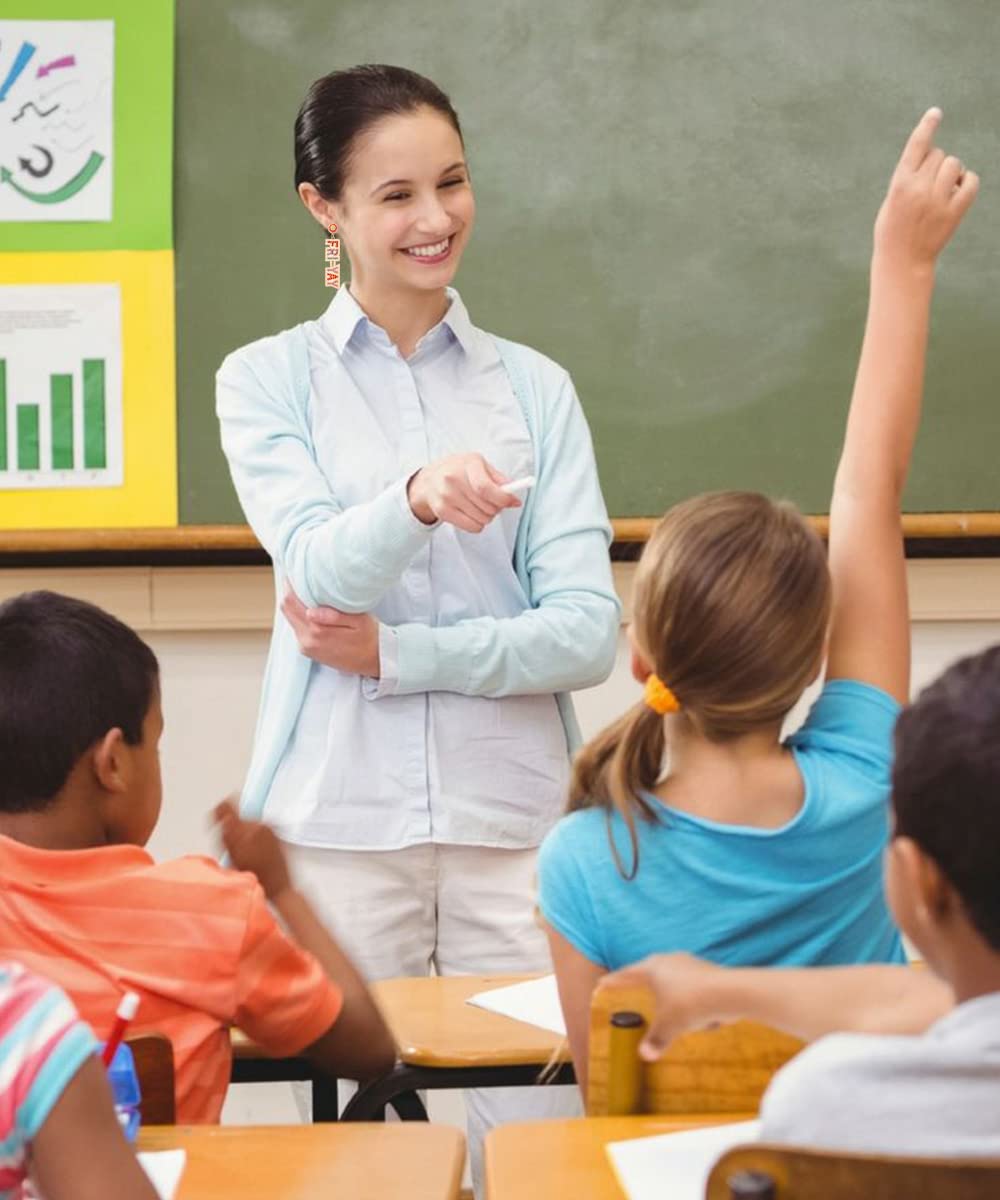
(747, 849)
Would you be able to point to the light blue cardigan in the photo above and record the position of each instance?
(350, 557)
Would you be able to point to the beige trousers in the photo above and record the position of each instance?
(459, 910)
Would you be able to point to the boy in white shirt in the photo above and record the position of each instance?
(937, 1093)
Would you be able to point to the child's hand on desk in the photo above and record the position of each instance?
(347, 642)
(253, 846)
(929, 194)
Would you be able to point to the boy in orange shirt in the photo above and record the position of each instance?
(83, 903)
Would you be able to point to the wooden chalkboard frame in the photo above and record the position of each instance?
(212, 539)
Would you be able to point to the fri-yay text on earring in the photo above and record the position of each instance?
(331, 270)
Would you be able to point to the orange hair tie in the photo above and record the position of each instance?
(659, 697)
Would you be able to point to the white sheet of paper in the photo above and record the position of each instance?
(536, 1002)
(675, 1166)
(164, 1168)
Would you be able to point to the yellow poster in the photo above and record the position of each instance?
(87, 401)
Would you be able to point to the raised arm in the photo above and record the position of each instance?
(358, 1043)
(928, 195)
(808, 1002)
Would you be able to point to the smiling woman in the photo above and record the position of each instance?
(379, 151)
(415, 726)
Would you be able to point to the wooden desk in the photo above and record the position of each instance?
(446, 1043)
(542, 1159)
(435, 1027)
(314, 1162)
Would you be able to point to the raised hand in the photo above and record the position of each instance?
(463, 490)
(929, 194)
(253, 846)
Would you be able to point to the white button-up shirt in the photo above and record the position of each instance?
(366, 768)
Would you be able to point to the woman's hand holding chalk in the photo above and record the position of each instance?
(518, 485)
(464, 490)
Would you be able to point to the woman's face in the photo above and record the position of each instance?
(407, 207)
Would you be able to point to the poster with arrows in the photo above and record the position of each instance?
(56, 120)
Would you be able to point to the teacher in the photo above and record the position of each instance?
(415, 725)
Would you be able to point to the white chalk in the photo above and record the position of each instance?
(519, 485)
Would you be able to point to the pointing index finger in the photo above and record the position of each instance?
(921, 139)
(486, 488)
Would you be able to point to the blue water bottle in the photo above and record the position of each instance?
(125, 1087)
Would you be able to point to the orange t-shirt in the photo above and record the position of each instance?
(196, 941)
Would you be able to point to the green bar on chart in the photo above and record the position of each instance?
(28, 458)
(3, 414)
(62, 422)
(95, 449)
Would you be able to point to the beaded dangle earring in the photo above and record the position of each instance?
(331, 271)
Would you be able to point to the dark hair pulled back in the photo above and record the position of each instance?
(946, 782)
(342, 106)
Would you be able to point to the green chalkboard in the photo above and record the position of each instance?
(675, 202)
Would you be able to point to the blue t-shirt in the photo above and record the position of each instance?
(807, 893)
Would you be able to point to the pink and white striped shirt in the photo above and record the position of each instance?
(43, 1043)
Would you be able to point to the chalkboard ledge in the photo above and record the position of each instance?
(971, 534)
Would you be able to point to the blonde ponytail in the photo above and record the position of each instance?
(731, 606)
(615, 767)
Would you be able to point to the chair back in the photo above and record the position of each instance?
(796, 1174)
(154, 1065)
(722, 1070)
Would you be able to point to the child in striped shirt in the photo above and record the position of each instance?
(56, 1111)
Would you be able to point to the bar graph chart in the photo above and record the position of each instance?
(60, 387)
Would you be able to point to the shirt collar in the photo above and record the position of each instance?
(977, 1019)
(458, 321)
(344, 314)
(342, 317)
(35, 865)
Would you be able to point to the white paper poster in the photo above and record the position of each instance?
(60, 386)
(56, 120)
